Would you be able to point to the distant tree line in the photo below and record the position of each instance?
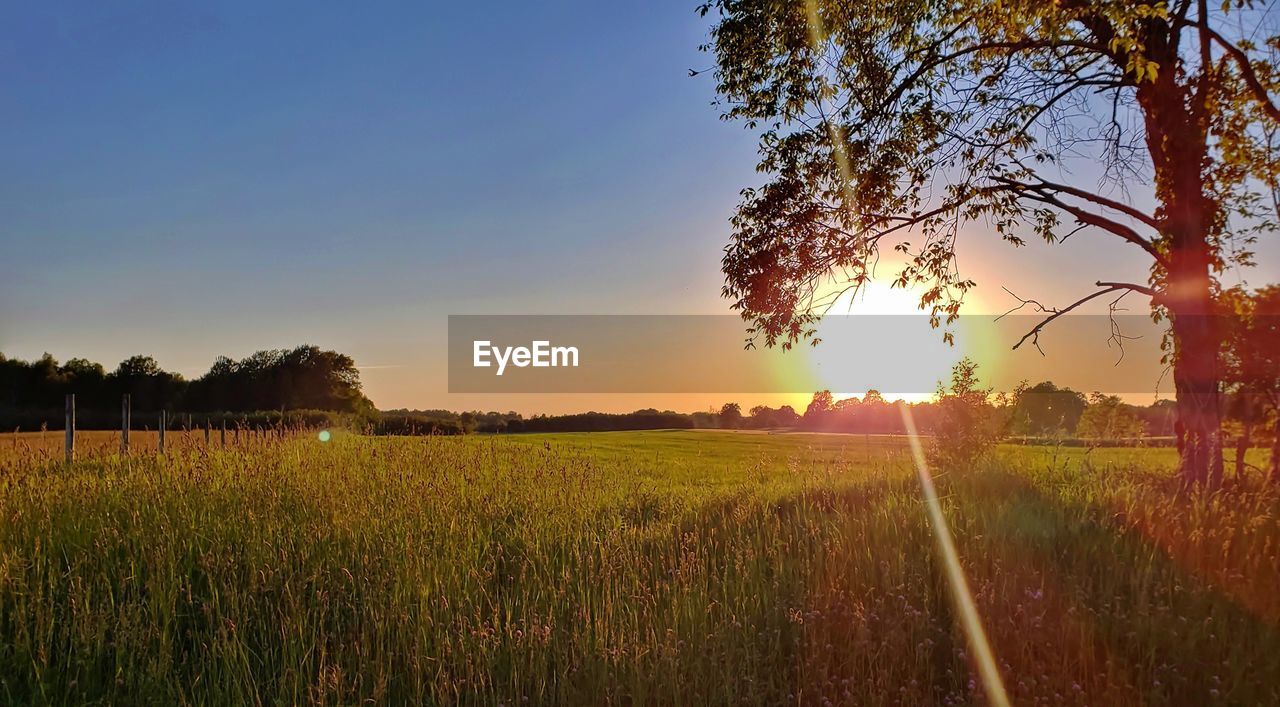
(307, 378)
(308, 386)
(405, 421)
(302, 378)
(1042, 411)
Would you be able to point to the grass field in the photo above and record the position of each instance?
(625, 568)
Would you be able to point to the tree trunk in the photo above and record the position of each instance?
(1177, 141)
(1242, 447)
(1195, 378)
(1197, 338)
(1274, 476)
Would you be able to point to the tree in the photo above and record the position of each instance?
(1108, 417)
(1044, 408)
(765, 416)
(88, 380)
(149, 385)
(786, 417)
(1252, 367)
(1159, 418)
(761, 415)
(846, 406)
(819, 409)
(36, 384)
(731, 416)
(883, 118)
(967, 426)
(83, 368)
(138, 367)
(305, 377)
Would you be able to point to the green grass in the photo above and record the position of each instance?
(651, 567)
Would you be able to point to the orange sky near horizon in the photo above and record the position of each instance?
(877, 298)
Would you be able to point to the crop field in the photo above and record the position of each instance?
(621, 568)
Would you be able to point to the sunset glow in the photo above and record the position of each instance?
(731, 353)
(829, 360)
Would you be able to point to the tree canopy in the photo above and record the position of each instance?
(305, 377)
(893, 124)
(1046, 409)
(1252, 366)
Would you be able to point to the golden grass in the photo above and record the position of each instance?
(621, 568)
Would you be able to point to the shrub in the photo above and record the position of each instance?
(967, 425)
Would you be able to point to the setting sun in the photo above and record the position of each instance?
(854, 352)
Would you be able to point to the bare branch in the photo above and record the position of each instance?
(1141, 289)
(1054, 313)
(1117, 336)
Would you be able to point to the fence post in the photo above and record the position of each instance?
(208, 427)
(163, 420)
(70, 427)
(124, 424)
(223, 433)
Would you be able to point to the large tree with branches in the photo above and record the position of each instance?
(901, 123)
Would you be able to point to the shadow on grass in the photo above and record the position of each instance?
(1182, 640)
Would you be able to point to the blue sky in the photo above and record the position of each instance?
(192, 180)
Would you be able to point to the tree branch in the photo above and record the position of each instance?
(1095, 198)
(1037, 193)
(928, 64)
(1141, 289)
(1246, 71)
(1054, 313)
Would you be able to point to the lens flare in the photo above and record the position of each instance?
(970, 620)
(324, 435)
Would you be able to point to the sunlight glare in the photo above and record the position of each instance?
(970, 620)
(850, 356)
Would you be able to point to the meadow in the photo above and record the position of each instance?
(621, 568)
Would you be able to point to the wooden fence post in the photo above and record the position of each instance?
(124, 424)
(223, 433)
(163, 420)
(70, 427)
(208, 427)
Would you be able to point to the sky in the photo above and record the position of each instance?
(194, 180)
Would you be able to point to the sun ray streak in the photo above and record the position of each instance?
(837, 139)
(816, 37)
(970, 620)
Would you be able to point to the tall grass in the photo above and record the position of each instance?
(656, 568)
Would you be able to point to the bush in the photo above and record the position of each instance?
(967, 425)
